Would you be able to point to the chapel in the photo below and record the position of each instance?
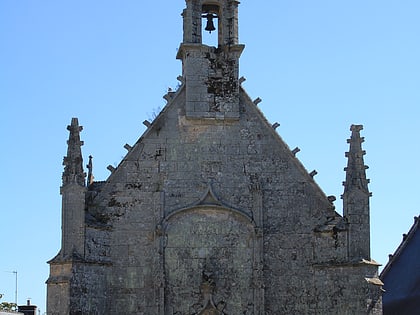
(210, 212)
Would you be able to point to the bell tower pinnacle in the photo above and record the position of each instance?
(356, 198)
(211, 73)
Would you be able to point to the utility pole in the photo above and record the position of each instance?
(16, 287)
(15, 272)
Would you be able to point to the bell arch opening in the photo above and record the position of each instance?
(211, 25)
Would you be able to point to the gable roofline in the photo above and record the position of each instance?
(400, 249)
(292, 155)
(170, 97)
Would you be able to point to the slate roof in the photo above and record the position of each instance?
(401, 276)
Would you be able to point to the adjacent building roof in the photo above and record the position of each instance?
(402, 276)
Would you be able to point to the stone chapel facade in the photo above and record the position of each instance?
(210, 212)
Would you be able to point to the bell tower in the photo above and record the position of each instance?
(210, 74)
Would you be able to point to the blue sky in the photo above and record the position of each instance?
(319, 66)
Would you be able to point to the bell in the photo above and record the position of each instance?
(210, 26)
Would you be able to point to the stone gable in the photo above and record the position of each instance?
(210, 212)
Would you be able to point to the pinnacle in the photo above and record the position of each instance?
(73, 161)
(356, 169)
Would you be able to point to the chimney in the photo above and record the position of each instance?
(27, 309)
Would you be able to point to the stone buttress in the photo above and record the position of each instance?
(73, 192)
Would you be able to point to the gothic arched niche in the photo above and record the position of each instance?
(209, 262)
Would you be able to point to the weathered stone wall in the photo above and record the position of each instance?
(213, 243)
(58, 294)
(222, 205)
(88, 290)
(211, 80)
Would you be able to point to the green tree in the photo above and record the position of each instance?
(6, 306)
